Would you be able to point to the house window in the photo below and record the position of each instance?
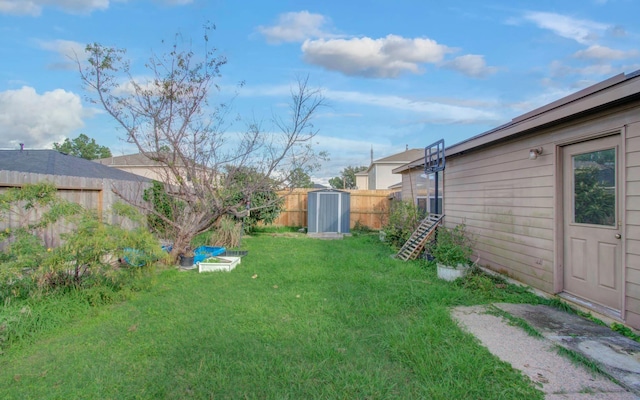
(432, 204)
(421, 204)
(425, 207)
(594, 194)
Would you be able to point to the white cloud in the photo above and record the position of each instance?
(385, 57)
(560, 70)
(580, 30)
(440, 110)
(294, 27)
(69, 51)
(348, 152)
(19, 7)
(551, 94)
(436, 112)
(602, 53)
(38, 120)
(34, 7)
(471, 65)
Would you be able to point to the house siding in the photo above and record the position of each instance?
(511, 205)
(372, 179)
(632, 228)
(384, 177)
(507, 204)
(362, 182)
(413, 185)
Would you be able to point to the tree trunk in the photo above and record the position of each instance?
(181, 246)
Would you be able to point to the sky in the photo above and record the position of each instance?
(394, 74)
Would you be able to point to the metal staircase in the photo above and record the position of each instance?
(419, 237)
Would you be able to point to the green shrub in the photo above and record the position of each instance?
(404, 218)
(360, 228)
(89, 250)
(451, 247)
(164, 206)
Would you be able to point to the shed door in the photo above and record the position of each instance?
(592, 245)
(328, 212)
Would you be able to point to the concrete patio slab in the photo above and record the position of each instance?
(537, 358)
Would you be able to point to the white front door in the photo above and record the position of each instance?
(591, 203)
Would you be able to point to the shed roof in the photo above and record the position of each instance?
(52, 162)
(608, 93)
(328, 190)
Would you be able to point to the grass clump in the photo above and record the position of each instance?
(578, 359)
(626, 331)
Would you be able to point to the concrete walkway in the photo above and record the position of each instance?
(537, 358)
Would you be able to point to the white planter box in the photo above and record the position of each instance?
(219, 266)
(450, 274)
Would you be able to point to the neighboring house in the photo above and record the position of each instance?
(78, 180)
(362, 180)
(147, 167)
(552, 198)
(138, 164)
(420, 187)
(380, 174)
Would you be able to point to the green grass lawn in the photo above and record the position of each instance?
(300, 318)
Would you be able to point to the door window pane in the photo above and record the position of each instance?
(594, 177)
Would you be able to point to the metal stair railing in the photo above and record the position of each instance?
(412, 247)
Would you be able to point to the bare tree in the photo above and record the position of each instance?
(169, 118)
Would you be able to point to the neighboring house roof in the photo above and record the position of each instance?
(403, 157)
(137, 159)
(613, 91)
(318, 186)
(398, 159)
(52, 162)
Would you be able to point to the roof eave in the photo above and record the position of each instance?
(603, 94)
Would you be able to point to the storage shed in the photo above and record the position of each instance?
(328, 212)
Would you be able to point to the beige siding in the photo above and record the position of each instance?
(510, 203)
(362, 182)
(372, 179)
(413, 185)
(632, 228)
(507, 202)
(384, 177)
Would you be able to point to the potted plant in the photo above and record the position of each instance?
(451, 251)
(187, 257)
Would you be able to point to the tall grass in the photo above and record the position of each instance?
(24, 320)
(298, 319)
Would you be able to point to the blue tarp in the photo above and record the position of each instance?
(136, 257)
(203, 252)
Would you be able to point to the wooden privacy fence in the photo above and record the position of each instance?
(90, 193)
(368, 207)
